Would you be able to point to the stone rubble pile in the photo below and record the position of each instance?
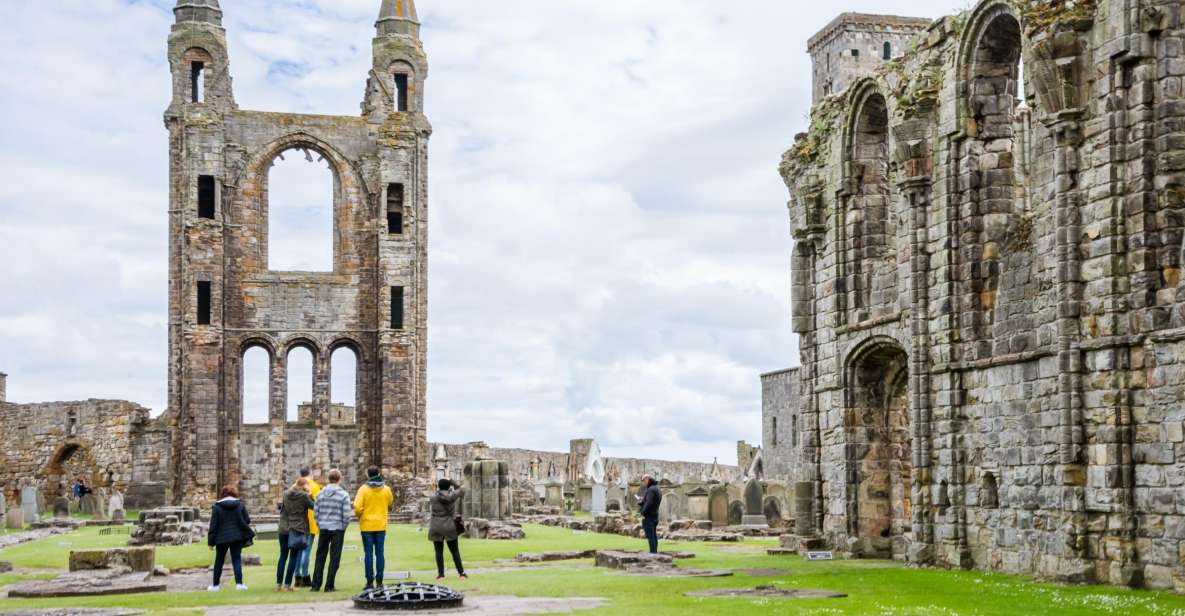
(169, 526)
(480, 528)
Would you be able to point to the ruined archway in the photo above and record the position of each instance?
(70, 462)
(871, 229)
(879, 449)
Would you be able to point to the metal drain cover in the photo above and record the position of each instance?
(408, 596)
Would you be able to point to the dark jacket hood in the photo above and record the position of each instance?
(376, 482)
(229, 504)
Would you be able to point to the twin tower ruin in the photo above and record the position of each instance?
(225, 299)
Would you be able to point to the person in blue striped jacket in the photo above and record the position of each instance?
(332, 510)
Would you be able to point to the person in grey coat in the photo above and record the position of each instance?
(442, 528)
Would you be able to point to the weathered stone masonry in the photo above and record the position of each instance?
(224, 299)
(986, 282)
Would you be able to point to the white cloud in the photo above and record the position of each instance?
(609, 242)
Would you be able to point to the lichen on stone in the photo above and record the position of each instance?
(1046, 15)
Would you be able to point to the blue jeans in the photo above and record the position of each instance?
(302, 566)
(372, 545)
(650, 526)
(281, 565)
(236, 560)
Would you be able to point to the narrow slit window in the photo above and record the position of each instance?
(888, 51)
(401, 92)
(206, 196)
(396, 307)
(203, 302)
(395, 209)
(794, 430)
(197, 84)
(855, 53)
(774, 432)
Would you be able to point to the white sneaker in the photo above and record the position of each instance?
(240, 587)
(213, 588)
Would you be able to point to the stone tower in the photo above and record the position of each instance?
(225, 300)
(855, 44)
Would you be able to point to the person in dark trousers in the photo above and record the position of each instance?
(332, 509)
(230, 531)
(372, 505)
(294, 532)
(442, 528)
(648, 506)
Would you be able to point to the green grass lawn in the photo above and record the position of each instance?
(874, 587)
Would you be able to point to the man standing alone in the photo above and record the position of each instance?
(648, 505)
(332, 511)
(371, 505)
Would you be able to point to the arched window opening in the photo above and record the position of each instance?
(301, 190)
(993, 269)
(401, 99)
(256, 386)
(888, 50)
(774, 432)
(300, 385)
(872, 257)
(197, 81)
(343, 387)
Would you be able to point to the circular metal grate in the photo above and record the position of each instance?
(408, 596)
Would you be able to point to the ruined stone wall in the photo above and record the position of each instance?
(53, 443)
(779, 424)
(225, 299)
(527, 465)
(986, 284)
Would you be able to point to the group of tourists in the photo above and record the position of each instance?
(311, 514)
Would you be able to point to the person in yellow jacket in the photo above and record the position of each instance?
(302, 567)
(371, 505)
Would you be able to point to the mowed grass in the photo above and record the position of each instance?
(874, 587)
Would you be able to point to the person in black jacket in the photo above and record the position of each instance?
(230, 531)
(648, 506)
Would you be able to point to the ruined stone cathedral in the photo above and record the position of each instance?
(987, 214)
(225, 299)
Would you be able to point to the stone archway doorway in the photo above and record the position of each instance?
(879, 458)
(68, 463)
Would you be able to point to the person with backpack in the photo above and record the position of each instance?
(230, 531)
(294, 532)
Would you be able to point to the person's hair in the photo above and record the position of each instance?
(301, 484)
(228, 490)
(372, 471)
(335, 476)
(305, 472)
(444, 484)
(648, 479)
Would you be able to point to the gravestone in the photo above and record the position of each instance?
(3, 503)
(14, 519)
(754, 504)
(554, 494)
(30, 504)
(772, 508)
(584, 497)
(598, 498)
(115, 503)
(718, 506)
(736, 513)
(697, 504)
(61, 507)
(88, 504)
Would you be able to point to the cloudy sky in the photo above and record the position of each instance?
(609, 243)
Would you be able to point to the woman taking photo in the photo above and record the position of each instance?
(294, 532)
(230, 531)
(443, 526)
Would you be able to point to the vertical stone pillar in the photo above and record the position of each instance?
(916, 192)
(321, 420)
(3, 388)
(278, 425)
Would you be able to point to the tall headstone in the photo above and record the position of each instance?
(554, 494)
(598, 494)
(718, 506)
(30, 504)
(61, 507)
(697, 504)
(754, 504)
(736, 513)
(14, 519)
